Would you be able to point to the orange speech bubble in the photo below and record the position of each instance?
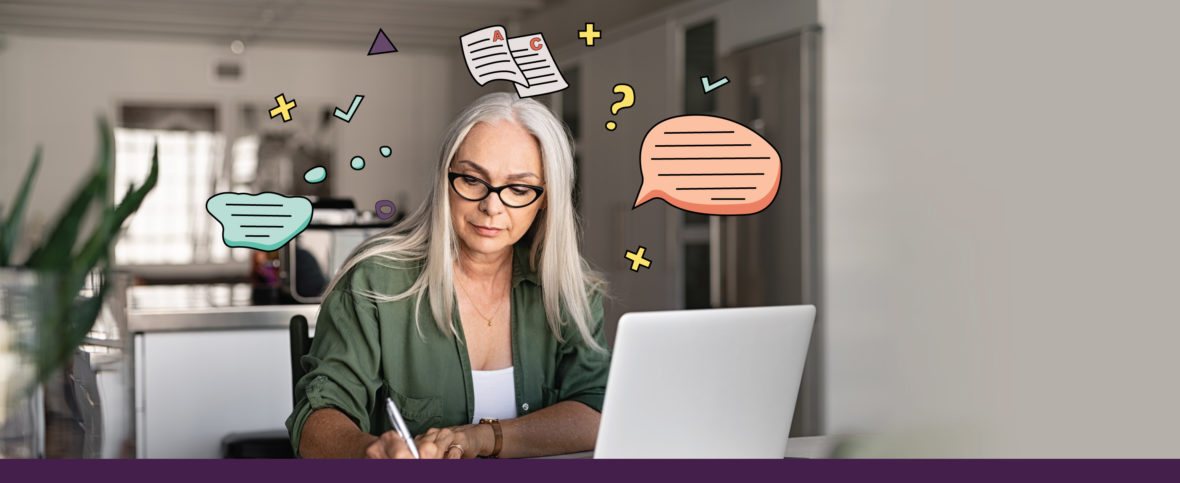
(708, 165)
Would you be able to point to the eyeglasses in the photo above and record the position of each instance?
(471, 188)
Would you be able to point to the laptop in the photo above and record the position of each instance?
(715, 383)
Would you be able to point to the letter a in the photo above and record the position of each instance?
(496, 36)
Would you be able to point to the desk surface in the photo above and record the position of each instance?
(800, 447)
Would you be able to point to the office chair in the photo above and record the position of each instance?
(272, 444)
(300, 345)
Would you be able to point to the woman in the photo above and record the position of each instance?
(477, 315)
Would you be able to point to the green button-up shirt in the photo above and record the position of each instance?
(364, 350)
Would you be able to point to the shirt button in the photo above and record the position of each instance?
(525, 406)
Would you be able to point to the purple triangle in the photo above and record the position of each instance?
(381, 44)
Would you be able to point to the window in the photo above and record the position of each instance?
(172, 226)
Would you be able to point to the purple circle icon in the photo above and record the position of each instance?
(381, 213)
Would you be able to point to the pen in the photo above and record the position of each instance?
(399, 425)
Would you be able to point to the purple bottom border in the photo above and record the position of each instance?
(597, 471)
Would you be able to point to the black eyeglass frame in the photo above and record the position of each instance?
(452, 176)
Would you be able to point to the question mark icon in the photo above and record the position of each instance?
(627, 101)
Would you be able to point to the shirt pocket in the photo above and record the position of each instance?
(420, 413)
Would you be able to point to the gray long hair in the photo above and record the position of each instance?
(427, 235)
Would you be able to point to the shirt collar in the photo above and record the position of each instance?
(520, 265)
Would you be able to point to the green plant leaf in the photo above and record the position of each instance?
(55, 253)
(98, 246)
(10, 230)
(73, 325)
(67, 320)
(64, 329)
(74, 269)
(132, 201)
(106, 153)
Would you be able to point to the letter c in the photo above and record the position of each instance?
(535, 43)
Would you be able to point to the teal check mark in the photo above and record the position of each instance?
(708, 87)
(347, 116)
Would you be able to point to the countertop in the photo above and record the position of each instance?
(206, 307)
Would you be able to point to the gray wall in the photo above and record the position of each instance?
(53, 88)
(1000, 205)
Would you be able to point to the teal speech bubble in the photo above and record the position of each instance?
(265, 221)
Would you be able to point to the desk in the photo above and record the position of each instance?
(809, 447)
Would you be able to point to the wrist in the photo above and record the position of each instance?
(361, 446)
(493, 425)
(487, 439)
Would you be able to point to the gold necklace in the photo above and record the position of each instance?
(474, 306)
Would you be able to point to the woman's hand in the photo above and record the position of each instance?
(456, 442)
(447, 443)
(389, 445)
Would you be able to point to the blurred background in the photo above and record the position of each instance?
(978, 196)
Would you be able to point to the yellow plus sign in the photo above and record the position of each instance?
(284, 108)
(590, 34)
(637, 259)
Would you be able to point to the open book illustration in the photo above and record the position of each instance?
(525, 61)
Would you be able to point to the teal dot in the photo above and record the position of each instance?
(315, 175)
(358, 162)
(385, 151)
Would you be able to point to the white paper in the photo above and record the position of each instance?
(535, 62)
(487, 56)
(525, 61)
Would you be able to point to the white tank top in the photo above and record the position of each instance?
(495, 394)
